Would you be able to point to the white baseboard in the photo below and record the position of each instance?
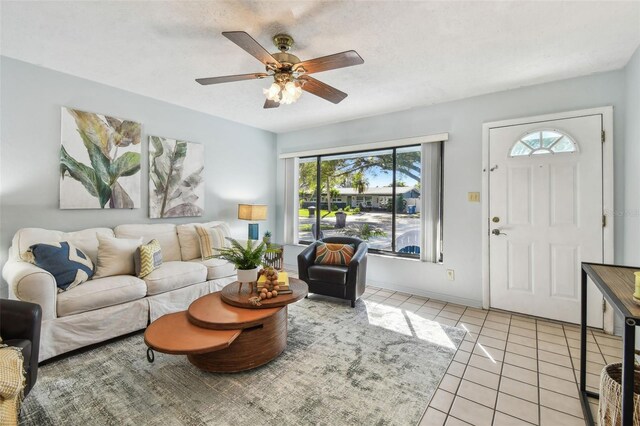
(410, 290)
(425, 293)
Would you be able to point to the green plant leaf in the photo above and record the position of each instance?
(78, 171)
(99, 162)
(127, 164)
(248, 257)
(85, 175)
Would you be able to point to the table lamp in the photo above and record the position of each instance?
(252, 212)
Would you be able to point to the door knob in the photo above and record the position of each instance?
(495, 219)
(497, 232)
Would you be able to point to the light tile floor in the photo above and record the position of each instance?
(510, 369)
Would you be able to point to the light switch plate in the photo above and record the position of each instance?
(473, 197)
(451, 274)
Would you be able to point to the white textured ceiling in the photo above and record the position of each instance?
(416, 53)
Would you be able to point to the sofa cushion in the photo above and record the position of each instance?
(172, 275)
(85, 240)
(334, 254)
(211, 238)
(69, 265)
(328, 274)
(165, 233)
(189, 241)
(217, 268)
(100, 293)
(147, 258)
(115, 256)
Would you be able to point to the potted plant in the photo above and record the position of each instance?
(267, 238)
(247, 259)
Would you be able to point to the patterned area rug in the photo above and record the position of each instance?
(372, 365)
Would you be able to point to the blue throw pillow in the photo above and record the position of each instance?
(67, 263)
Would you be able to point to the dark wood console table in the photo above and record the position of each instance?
(617, 284)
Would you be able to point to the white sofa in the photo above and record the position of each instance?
(103, 308)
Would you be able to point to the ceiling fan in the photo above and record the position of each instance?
(290, 75)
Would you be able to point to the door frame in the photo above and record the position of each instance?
(607, 189)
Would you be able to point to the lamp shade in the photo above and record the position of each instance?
(252, 212)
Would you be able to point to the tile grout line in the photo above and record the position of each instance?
(500, 376)
(573, 369)
(573, 365)
(502, 366)
(455, 394)
(457, 387)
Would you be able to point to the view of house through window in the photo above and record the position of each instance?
(372, 195)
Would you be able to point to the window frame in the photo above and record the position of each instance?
(393, 149)
(543, 150)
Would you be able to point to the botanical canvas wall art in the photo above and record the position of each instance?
(99, 161)
(176, 178)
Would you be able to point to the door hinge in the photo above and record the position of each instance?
(604, 220)
(604, 305)
(602, 136)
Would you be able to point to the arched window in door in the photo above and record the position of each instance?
(543, 142)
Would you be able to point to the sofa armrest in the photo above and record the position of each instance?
(30, 283)
(305, 259)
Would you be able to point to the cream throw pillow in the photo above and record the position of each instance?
(115, 256)
(210, 239)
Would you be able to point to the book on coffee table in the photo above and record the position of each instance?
(283, 282)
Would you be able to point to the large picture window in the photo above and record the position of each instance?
(376, 196)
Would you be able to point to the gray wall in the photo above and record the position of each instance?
(30, 142)
(631, 214)
(462, 171)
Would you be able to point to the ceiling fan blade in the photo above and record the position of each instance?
(331, 62)
(230, 78)
(254, 48)
(271, 104)
(322, 90)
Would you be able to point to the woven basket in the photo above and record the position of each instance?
(610, 407)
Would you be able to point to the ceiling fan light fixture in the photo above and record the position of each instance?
(273, 92)
(283, 93)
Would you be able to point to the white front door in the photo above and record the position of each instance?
(546, 216)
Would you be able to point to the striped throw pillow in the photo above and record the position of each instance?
(147, 258)
(210, 239)
(334, 254)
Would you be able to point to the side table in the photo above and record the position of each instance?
(617, 284)
(275, 257)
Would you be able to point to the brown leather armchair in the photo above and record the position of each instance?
(20, 324)
(345, 282)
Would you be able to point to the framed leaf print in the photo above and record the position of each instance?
(176, 178)
(99, 161)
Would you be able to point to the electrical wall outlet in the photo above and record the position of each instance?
(451, 274)
(473, 197)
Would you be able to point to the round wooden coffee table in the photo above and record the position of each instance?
(219, 336)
